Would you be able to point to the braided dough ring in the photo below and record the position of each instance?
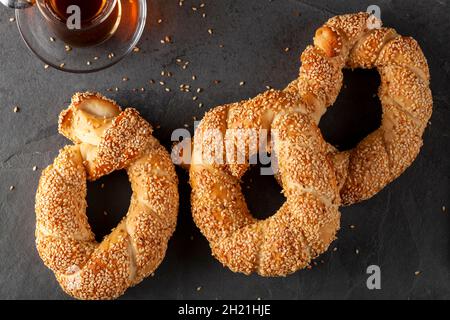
(106, 139)
(316, 178)
(304, 226)
(405, 95)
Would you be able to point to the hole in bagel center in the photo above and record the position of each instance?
(356, 112)
(108, 201)
(262, 193)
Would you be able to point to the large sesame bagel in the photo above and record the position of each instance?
(315, 177)
(303, 227)
(405, 95)
(106, 139)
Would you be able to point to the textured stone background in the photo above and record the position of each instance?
(403, 229)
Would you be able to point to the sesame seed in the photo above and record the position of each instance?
(34, 168)
(210, 31)
(11, 188)
(16, 109)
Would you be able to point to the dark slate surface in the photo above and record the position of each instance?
(403, 229)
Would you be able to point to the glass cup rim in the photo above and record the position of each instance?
(50, 16)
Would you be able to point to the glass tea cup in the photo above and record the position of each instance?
(69, 25)
(98, 39)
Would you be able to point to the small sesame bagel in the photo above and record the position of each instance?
(106, 139)
(315, 177)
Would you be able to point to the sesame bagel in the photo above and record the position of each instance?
(351, 41)
(315, 177)
(304, 226)
(106, 139)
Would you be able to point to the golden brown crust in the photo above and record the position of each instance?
(315, 177)
(107, 140)
(406, 101)
(347, 41)
(304, 227)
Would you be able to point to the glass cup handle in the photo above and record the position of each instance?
(18, 4)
